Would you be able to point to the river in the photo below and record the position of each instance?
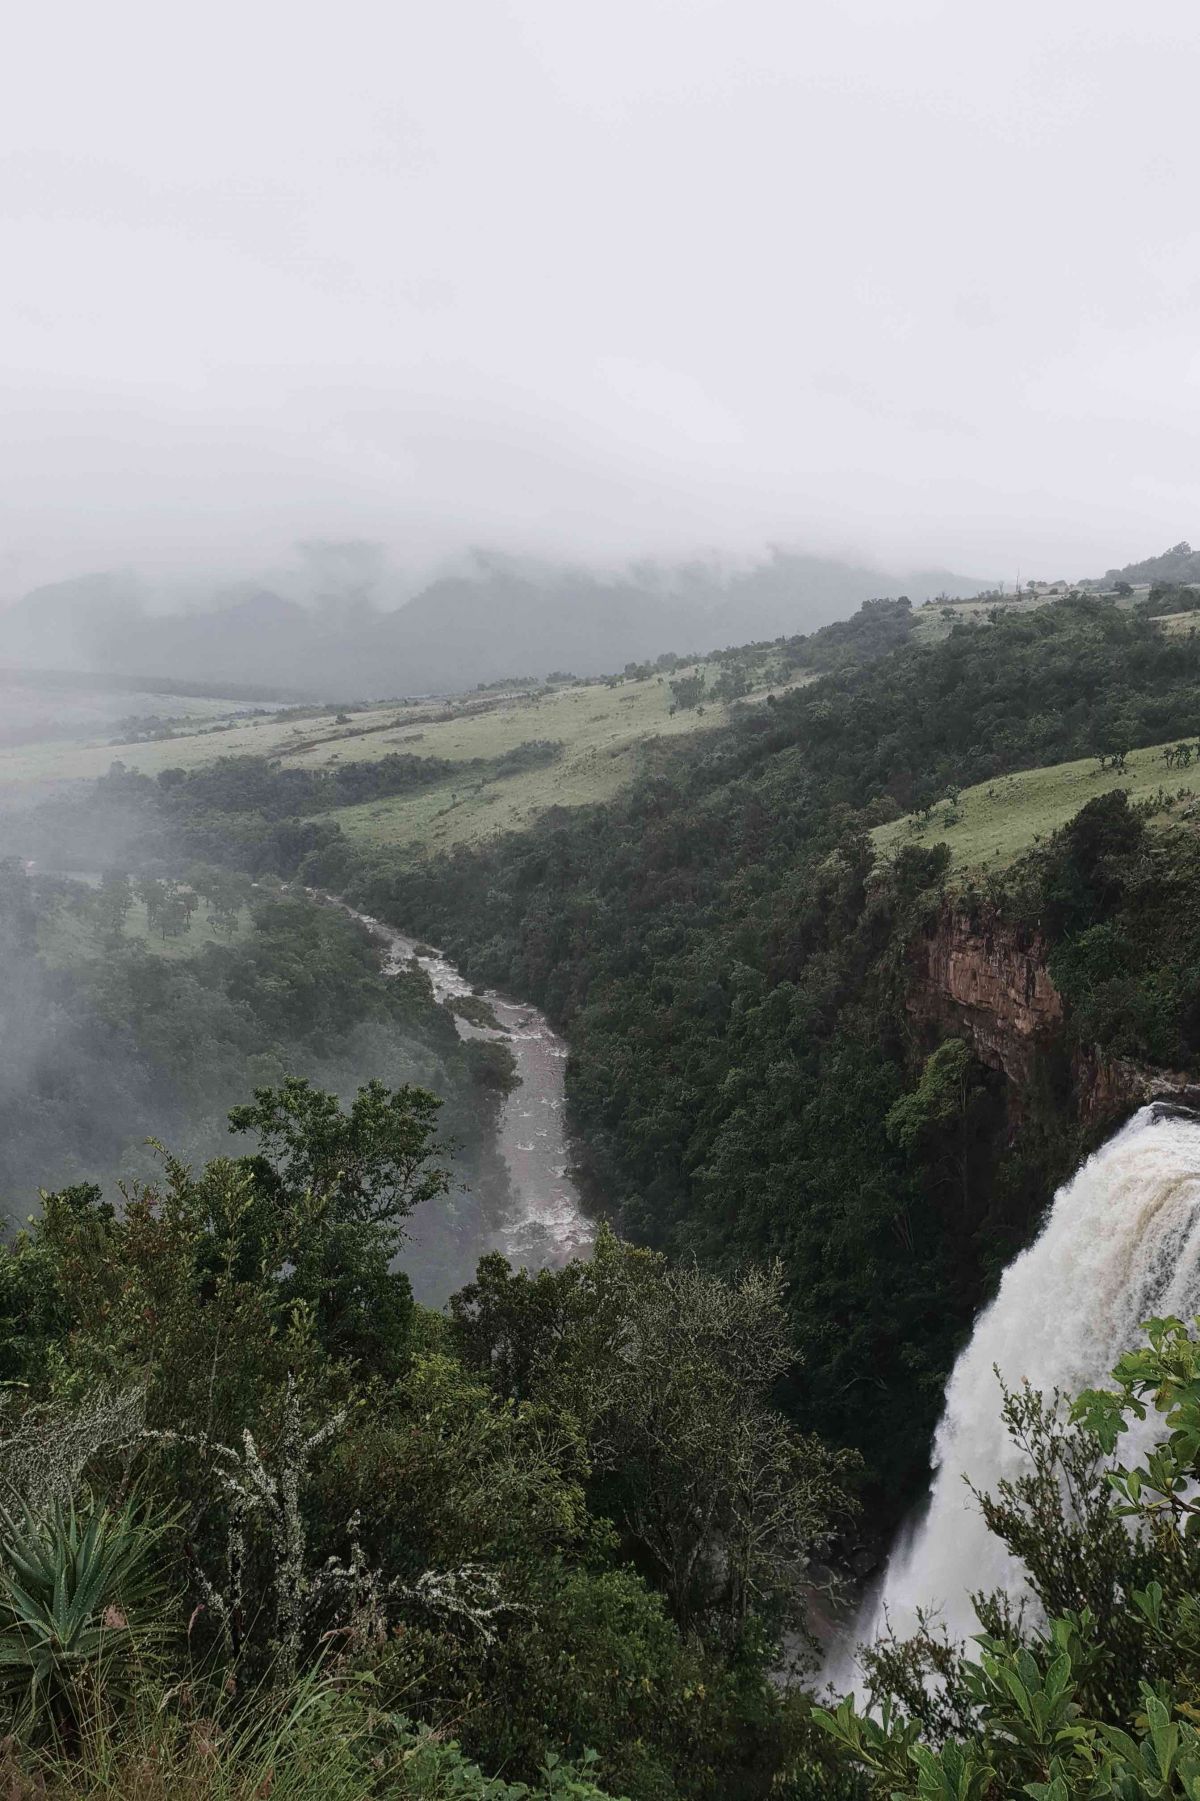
(544, 1225)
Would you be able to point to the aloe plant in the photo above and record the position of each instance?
(80, 1594)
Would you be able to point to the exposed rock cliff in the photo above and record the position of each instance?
(1108, 1088)
(987, 980)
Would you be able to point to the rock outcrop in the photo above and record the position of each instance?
(987, 981)
(1108, 1088)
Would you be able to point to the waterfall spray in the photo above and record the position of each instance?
(1120, 1245)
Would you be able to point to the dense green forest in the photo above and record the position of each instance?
(268, 1528)
(726, 954)
(569, 1533)
(259, 1508)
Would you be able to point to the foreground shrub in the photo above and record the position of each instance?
(80, 1594)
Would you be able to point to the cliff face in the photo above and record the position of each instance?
(987, 981)
(1109, 1088)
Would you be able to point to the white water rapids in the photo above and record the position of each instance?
(1121, 1244)
(546, 1225)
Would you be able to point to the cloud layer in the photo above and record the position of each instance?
(918, 281)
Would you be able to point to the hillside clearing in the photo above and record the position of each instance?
(472, 726)
(603, 732)
(37, 766)
(935, 620)
(67, 936)
(991, 824)
(1173, 623)
(601, 728)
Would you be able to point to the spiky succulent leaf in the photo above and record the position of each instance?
(80, 1593)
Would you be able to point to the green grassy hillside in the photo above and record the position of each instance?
(601, 728)
(472, 726)
(989, 825)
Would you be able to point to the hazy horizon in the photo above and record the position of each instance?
(329, 572)
(906, 286)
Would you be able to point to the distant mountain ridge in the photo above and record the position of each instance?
(503, 618)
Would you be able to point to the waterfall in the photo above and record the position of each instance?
(1120, 1245)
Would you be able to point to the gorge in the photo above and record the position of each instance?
(545, 1225)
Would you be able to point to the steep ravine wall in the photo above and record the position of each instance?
(987, 980)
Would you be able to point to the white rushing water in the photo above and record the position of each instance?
(1120, 1245)
(546, 1225)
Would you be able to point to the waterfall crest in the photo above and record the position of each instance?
(1121, 1243)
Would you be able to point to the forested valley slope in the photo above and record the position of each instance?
(827, 1068)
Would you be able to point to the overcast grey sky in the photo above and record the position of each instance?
(915, 279)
